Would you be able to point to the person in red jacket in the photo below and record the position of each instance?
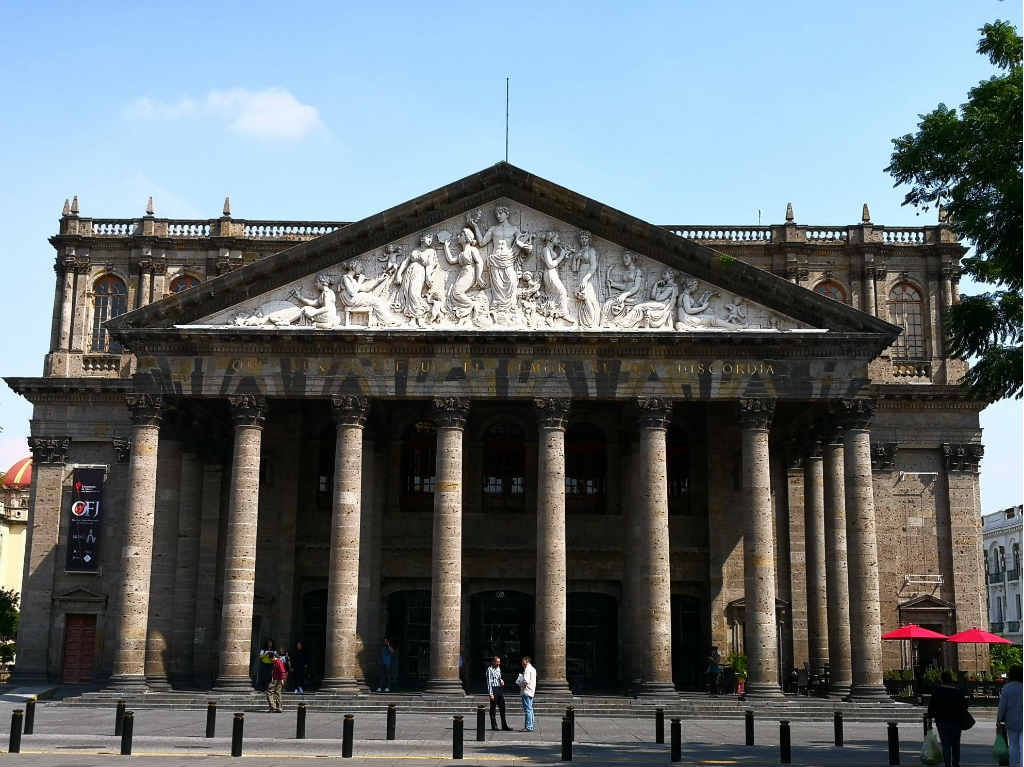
(278, 674)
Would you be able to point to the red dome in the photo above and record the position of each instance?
(19, 476)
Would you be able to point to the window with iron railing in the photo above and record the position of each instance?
(110, 299)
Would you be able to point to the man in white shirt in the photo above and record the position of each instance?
(527, 682)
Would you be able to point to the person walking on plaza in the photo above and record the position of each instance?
(496, 689)
(1009, 713)
(527, 683)
(267, 656)
(298, 669)
(948, 707)
(387, 665)
(714, 671)
(278, 673)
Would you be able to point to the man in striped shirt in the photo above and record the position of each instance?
(496, 689)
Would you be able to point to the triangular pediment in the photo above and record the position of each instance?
(530, 270)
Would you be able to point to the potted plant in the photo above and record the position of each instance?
(738, 664)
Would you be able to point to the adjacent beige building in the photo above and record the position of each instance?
(500, 418)
(14, 494)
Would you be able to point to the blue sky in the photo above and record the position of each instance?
(674, 112)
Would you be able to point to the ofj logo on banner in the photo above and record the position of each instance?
(86, 504)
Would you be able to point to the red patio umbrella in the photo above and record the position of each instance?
(911, 632)
(976, 637)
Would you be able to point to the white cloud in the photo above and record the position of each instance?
(271, 113)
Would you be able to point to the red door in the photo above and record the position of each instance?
(79, 648)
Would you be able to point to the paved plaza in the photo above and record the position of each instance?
(83, 737)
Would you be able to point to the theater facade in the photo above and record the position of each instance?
(500, 418)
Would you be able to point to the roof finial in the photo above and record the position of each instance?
(227, 207)
(789, 212)
(74, 205)
(149, 206)
(865, 215)
(943, 214)
(67, 207)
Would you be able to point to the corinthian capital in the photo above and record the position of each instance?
(49, 449)
(652, 412)
(755, 413)
(962, 457)
(552, 413)
(350, 410)
(248, 409)
(449, 411)
(146, 409)
(855, 413)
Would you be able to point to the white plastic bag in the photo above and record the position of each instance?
(931, 751)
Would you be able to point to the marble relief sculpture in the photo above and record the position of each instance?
(536, 274)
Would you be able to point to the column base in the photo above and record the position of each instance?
(868, 693)
(128, 683)
(655, 690)
(158, 683)
(343, 685)
(761, 690)
(554, 687)
(444, 687)
(27, 677)
(839, 691)
(232, 684)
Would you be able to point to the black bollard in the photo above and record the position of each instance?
(480, 724)
(837, 725)
(392, 717)
(300, 722)
(894, 743)
(749, 716)
(927, 723)
(118, 717)
(237, 729)
(211, 719)
(127, 731)
(659, 725)
(30, 715)
(456, 737)
(785, 745)
(348, 727)
(571, 712)
(677, 740)
(566, 739)
(14, 747)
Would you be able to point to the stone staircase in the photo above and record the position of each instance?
(686, 705)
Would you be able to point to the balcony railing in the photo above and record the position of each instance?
(1012, 627)
(1013, 575)
(997, 577)
(997, 628)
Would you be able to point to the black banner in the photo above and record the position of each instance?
(85, 519)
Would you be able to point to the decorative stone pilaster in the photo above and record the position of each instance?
(340, 668)
(449, 416)
(550, 617)
(755, 417)
(883, 456)
(865, 607)
(837, 584)
(132, 615)
(67, 269)
(814, 553)
(248, 412)
(79, 331)
(650, 559)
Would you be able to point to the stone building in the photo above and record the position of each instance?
(14, 494)
(499, 418)
(1001, 538)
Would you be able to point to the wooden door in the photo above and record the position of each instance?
(79, 648)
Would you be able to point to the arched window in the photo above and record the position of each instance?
(586, 478)
(677, 465)
(419, 447)
(504, 479)
(110, 299)
(183, 282)
(905, 310)
(831, 289)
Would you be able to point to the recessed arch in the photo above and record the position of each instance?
(831, 289)
(906, 309)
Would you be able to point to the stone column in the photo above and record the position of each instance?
(814, 556)
(652, 629)
(80, 339)
(449, 415)
(67, 299)
(869, 290)
(163, 568)
(189, 505)
(145, 283)
(837, 583)
(343, 574)
(550, 617)
(49, 455)
(132, 615)
(248, 411)
(761, 632)
(865, 607)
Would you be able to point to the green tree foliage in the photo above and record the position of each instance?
(8, 623)
(970, 162)
(1002, 656)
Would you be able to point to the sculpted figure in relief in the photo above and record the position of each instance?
(527, 293)
(549, 259)
(584, 262)
(659, 310)
(624, 282)
(358, 292)
(469, 276)
(415, 276)
(506, 242)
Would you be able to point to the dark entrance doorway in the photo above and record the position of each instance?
(689, 637)
(409, 633)
(314, 632)
(502, 624)
(79, 649)
(592, 643)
